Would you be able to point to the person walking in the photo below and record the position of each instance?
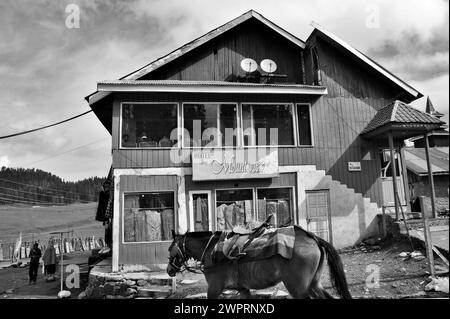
(50, 260)
(35, 255)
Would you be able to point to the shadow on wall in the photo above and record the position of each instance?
(366, 181)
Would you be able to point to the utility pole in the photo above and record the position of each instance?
(426, 228)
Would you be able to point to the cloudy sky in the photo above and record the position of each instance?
(46, 68)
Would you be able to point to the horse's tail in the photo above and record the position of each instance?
(337, 273)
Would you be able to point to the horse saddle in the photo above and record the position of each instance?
(233, 244)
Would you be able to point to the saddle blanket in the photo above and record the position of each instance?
(272, 241)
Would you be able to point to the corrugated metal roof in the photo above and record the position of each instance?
(399, 112)
(416, 160)
(206, 83)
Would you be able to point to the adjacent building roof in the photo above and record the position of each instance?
(430, 109)
(207, 87)
(399, 112)
(416, 160)
(435, 133)
(321, 31)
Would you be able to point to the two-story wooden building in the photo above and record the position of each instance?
(170, 119)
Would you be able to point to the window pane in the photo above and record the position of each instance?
(234, 207)
(148, 125)
(228, 121)
(210, 117)
(148, 217)
(304, 125)
(201, 214)
(258, 119)
(278, 202)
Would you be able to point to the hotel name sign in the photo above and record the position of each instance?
(220, 164)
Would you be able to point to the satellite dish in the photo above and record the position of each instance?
(268, 66)
(249, 65)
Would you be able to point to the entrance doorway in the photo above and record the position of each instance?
(318, 214)
(200, 208)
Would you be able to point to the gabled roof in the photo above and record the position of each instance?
(399, 112)
(208, 37)
(152, 66)
(416, 160)
(136, 75)
(321, 31)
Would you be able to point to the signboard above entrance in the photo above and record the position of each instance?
(219, 164)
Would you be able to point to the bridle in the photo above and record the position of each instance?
(184, 258)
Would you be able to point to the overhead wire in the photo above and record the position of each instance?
(33, 193)
(65, 152)
(44, 127)
(42, 187)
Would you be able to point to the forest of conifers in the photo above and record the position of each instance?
(34, 187)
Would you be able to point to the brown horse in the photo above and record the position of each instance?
(300, 275)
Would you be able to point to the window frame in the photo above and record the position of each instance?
(311, 131)
(238, 126)
(292, 188)
(294, 129)
(228, 189)
(177, 104)
(175, 215)
(191, 209)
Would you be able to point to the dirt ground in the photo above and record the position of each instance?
(398, 277)
(16, 279)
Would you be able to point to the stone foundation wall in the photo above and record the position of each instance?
(105, 285)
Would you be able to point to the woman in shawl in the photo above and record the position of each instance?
(50, 260)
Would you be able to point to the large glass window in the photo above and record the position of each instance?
(148, 217)
(276, 202)
(259, 119)
(304, 125)
(234, 207)
(214, 121)
(148, 125)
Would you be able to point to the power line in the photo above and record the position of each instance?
(42, 187)
(44, 127)
(30, 199)
(65, 152)
(33, 193)
(23, 201)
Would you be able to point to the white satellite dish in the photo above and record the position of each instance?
(268, 66)
(249, 65)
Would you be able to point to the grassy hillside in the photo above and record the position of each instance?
(38, 222)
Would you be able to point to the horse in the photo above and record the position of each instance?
(300, 275)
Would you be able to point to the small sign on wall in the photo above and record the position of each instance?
(354, 166)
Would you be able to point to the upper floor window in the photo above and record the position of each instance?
(304, 125)
(267, 124)
(209, 124)
(316, 67)
(149, 125)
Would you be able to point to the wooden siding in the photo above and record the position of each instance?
(219, 60)
(354, 96)
(144, 253)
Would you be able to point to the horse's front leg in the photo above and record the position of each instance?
(214, 289)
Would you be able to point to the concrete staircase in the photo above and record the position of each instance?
(348, 209)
